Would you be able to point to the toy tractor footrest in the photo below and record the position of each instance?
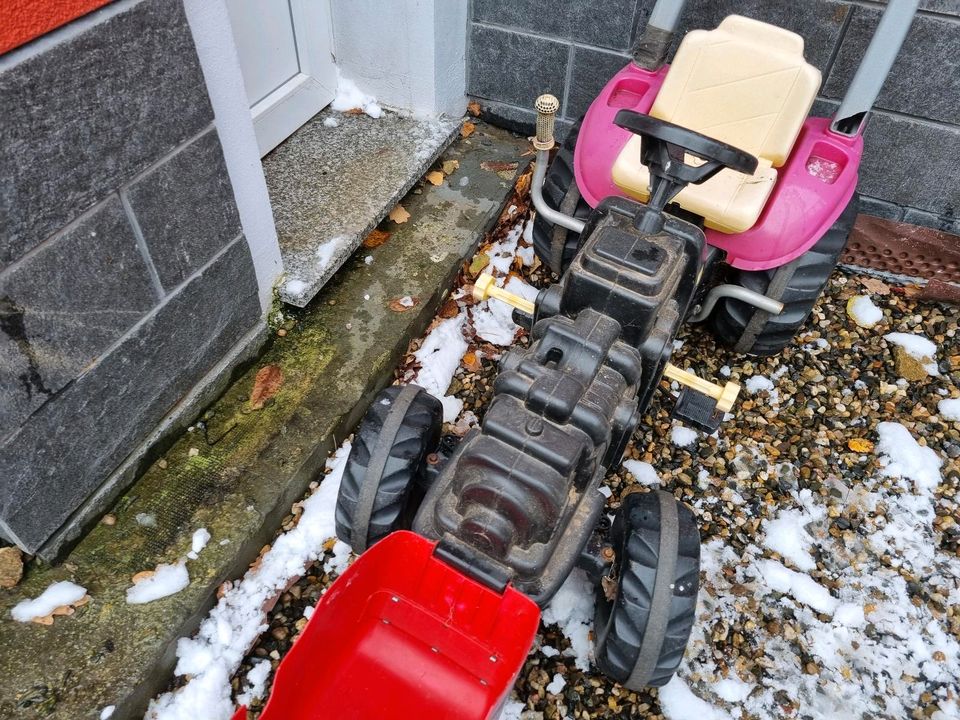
(401, 634)
(698, 410)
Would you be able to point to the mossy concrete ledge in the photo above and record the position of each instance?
(239, 470)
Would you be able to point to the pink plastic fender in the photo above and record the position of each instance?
(812, 189)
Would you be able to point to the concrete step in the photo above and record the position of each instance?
(240, 470)
(331, 184)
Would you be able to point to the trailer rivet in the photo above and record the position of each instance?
(607, 553)
(433, 459)
(493, 658)
(395, 599)
(535, 426)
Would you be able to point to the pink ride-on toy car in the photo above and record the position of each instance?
(776, 232)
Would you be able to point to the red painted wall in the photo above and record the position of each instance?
(24, 20)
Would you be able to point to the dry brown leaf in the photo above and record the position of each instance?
(142, 575)
(11, 567)
(353, 111)
(466, 130)
(376, 238)
(62, 610)
(471, 362)
(473, 108)
(403, 304)
(266, 385)
(435, 177)
(859, 445)
(45, 620)
(399, 215)
(498, 165)
(450, 166)
(449, 309)
(328, 545)
(875, 286)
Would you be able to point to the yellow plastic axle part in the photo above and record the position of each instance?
(725, 395)
(485, 287)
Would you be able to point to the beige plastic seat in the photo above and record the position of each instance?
(745, 83)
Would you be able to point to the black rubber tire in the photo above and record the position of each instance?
(798, 285)
(560, 189)
(621, 625)
(412, 435)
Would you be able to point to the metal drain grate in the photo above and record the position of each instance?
(903, 249)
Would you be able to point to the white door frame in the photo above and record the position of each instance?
(288, 107)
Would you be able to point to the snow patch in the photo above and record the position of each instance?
(256, 683)
(56, 595)
(349, 97)
(107, 712)
(331, 122)
(557, 685)
(439, 358)
(917, 347)
(493, 319)
(683, 436)
(949, 409)
(212, 656)
(903, 457)
(330, 248)
(759, 383)
(787, 534)
(198, 542)
(166, 580)
(295, 287)
(802, 588)
(679, 703)
(863, 312)
(642, 472)
(571, 609)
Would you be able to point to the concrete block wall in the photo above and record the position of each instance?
(520, 48)
(125, 276)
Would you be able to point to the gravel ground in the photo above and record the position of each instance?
(805, 448)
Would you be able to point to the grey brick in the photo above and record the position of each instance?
(185, 209)
(818, 22)
(605, 23)
(911, 162)
(945, 223)
(514, 68)
(925, 80)
(880, 208)
(66, 303)
(592, 69)
(76, 439)
(945, 7)
(516, 119)
(84, 116)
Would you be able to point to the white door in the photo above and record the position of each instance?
(286, 55)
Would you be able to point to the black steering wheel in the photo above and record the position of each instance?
(662, 147)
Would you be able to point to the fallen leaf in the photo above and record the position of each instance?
(859, 445)
(266, 384)
(142, 575)
(399, 215)
(473, 108)
(46, 620)
(328, 545)
(435, 177)
(11, 567)
(353, 111)
(403, 304)
(479, 262)
(498, 165)
(376, 238)
(450, 166)
(449, 309)
(471, 362)
(466, 130)
(875, 286)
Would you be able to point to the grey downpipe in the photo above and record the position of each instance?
(653, 45)
(737, 292)
(875, 66)
(547, 106)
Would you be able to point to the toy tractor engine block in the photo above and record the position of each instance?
(519, 499)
